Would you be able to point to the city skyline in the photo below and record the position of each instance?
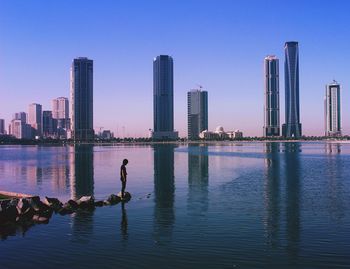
(205, 49)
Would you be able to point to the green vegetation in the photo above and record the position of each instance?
(3, 197)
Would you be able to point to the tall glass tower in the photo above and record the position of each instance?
(332, 110)
(292, 126)
(197, 113)
(81, 95)
(272, 106)
(163, 98)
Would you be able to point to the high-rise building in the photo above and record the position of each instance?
(60, 112)
(292, 126)
(20, 129)
(81, 99)
(35, 118)
(197, 113)
(332, 105)
(163, 98)
(20, 116)
(272, 106)
(2, 126)
(49, 124)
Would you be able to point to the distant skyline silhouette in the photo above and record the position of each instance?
(220, 45)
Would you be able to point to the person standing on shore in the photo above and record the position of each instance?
(123, 175)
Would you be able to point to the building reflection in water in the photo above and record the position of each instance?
(336, 202)
(272, 196)
(332, 148)
(164, 191)
(198, 177)
(282, 187)
(292, 177)
(81, 171)
(82, 184)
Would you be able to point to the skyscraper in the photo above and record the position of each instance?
(35, 118)
(292, 126)
(197, 113)
(163, 98)
(49, 124)
(81, 95)
(2, 126)
(20, 116)
(271, 107)
(60, 112)
(332, 105)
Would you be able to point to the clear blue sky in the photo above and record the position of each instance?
(218, 44)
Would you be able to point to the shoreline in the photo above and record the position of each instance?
(209, 142)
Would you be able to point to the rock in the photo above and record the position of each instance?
(98, 203)
(113, 199)
(26, 215)
(22, 206)
(73, 204)
(65, 211)
(40, 219)
(9, 212)
(106, 202)
(126, 198)
(54, 203)
(86, 202)
(34, 201)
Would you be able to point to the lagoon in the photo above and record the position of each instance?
(219, 205)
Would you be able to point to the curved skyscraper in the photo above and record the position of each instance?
(292, 126)
(163, 98)
(272, 99)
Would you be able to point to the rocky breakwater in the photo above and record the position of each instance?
(19, 214)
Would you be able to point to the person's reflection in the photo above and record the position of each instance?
(124, 223)
(164, 189)
(82, 184)
(292, 172)
(198, 177)
(272, 192)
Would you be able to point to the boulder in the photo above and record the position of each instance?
(106, 202)
(98, 203)
(86, 202)
(40, 219)
(23, 206)
(113, 199)
(65, 211)
(9, 212)
(72, 204)
(126, 198)
(35, 202)
(54, 203)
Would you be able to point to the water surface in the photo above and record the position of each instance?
(233, 205)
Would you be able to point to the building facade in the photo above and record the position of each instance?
(2, 126)
(35, 118)
(81, 98)
(20, 116)
(332, 105)
(49, 124)
(60, 112)
(292, 125)
(271, 106)
(20, 129)
(163, 98)
(197, 113)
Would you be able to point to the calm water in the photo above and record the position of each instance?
(245, 205)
